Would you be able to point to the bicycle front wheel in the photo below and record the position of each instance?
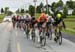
(60, 38)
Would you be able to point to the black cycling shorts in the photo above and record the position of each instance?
(40, 24)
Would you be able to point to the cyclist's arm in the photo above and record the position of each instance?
(63, 24)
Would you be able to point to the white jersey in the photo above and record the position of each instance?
(50, 19)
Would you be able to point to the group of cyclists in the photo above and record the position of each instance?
(45, 24)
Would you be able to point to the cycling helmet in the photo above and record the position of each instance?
(59, 16)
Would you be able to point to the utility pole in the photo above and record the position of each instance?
(47, 5)
(35, 6)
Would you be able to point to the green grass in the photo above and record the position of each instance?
(1, 17)
(69, 32)
(70, 23)
(72, 16)
(37, 15)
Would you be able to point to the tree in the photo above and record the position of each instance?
(9, 13)
(17, 11)
(38, 9)
(26, 11)
(22, 11)
(69, 4)
(2, 11)
(31, 10)
(54, 6)
(73, 13)
(6, 10)
(65, 11)
(60, 3)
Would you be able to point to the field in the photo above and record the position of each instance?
(1, 17)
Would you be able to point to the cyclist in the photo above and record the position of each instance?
(58, 22)
(33, 21)
(27, 19)
(42, 20)
(33, 26)
(18, 20)
(14, 20)
(49, 25)
(27, 24)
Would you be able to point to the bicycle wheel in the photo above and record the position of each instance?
(27, 33)
(43, 38)
(44, 41)
(60, 38)
(33, 36)
(50, 34)
(56, 33)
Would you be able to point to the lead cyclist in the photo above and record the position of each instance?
(58, 23)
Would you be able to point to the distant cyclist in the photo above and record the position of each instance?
(14, 20)
(33, 21)
(27, 24)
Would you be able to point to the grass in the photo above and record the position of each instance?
(69, 32)
(1, 17)
(37, 15)
(70, 23)
(72, 16)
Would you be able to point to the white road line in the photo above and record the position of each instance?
(18, 47)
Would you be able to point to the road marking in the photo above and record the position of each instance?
(18, 47)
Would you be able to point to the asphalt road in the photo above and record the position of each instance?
(14, 40)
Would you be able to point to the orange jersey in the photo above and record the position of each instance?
(43, 17)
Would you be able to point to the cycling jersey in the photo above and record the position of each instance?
(43, 18)
(57, 21)
(27, 19)
(33, 21)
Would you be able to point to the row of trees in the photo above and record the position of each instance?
(55, 6)
(6, 11)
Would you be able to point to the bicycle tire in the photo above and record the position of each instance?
(60, 38)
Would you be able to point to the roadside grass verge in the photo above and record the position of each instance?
(68, 31)
(70, 26)
(1, 17)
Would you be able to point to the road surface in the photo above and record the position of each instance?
(14, 40)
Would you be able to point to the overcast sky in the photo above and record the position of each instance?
(14, 4)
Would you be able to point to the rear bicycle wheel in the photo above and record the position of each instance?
(33, 36)
(44, 41)
(50, 35)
